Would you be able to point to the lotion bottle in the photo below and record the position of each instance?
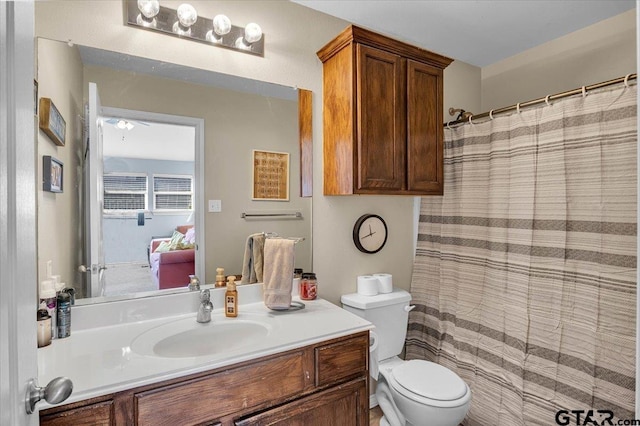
(231, 298)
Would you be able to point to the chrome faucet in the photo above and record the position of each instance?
(194, 283)
(205, 308)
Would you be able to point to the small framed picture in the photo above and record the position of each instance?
(270, 175)
(52, 174)
(51, 122)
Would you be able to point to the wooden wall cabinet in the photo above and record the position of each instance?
(325, 383)
(382, 116)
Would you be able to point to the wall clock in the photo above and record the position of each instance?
(370, 233)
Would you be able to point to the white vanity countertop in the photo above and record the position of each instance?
(101, 360)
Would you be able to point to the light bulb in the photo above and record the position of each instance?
(148, 11)
(149, 8)
(252, 33)
(187, 15)
(221, 25)
(124, 124)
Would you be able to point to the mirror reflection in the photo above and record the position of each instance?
(158, 170)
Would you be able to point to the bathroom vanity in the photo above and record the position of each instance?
(303, 367)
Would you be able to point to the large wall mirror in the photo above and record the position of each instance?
(157, 169)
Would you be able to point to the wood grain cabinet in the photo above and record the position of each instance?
(382, 116)
(320, 384)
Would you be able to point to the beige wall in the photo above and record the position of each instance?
(600, 52)
(235, 124)
(59, 77)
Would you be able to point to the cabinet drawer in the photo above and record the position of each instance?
(209, 398)
(343, 405)
(90, 415)
(337, 362)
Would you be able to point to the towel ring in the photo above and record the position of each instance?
(294, 306)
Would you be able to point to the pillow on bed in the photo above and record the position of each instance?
(177, 242)
(173, 244)
(190, 236)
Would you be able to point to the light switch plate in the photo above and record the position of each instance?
(215, 206)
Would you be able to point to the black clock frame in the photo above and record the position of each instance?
(356, 233)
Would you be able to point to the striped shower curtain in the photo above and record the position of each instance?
(525, 272)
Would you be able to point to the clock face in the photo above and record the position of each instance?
(370, 233)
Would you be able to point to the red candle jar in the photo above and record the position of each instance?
(308, 286)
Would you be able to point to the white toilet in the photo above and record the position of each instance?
(416, 392)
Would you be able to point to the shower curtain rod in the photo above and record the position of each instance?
(547, 99)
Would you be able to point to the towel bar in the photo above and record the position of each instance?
(296, 215)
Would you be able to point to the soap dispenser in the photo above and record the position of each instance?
(231, 298)
(220, 277)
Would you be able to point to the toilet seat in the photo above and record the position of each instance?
(429, 383)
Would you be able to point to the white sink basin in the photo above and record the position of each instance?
(186, 338)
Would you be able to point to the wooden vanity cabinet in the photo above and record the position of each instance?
(382, 116)
(325, 383)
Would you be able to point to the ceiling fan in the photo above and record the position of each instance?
(123, 124)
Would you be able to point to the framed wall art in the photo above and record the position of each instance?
(270, 175)
(52, 174)
(51, 122)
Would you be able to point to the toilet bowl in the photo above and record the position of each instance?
(421, 393)
(415, 392)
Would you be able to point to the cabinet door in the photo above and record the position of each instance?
(342, 405)
(424, 129)
(381, 128)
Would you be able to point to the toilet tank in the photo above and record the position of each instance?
(389, 312)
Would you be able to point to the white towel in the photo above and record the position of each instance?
(252, 265)
(278, 272)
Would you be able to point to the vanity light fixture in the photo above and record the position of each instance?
(185, 23)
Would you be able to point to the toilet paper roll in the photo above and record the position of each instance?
(367, 285)
(385, 282)
(373, 355)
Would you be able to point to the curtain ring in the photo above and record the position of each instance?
(626, 80)
(584, 92)
(448, 125)
(518, 107)
(546, 99)
(491, 114)
(470, 117)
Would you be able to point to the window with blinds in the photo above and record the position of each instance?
(173, 192)
(125, 192)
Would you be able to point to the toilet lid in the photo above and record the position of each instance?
(430, 380)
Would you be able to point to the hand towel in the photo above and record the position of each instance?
(278, 272)
(252, 264)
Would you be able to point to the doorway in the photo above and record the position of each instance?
(151, 187)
